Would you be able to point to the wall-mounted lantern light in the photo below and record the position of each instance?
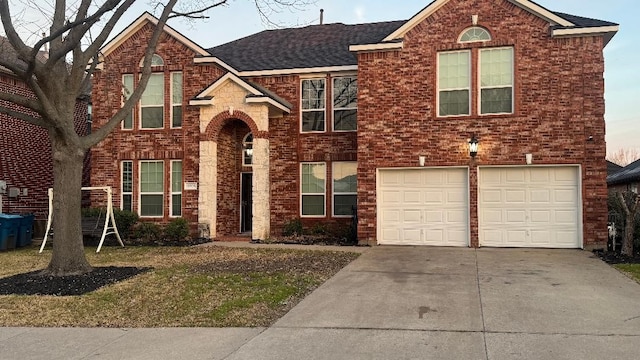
(473, 146)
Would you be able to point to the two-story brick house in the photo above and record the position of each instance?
(310, 122)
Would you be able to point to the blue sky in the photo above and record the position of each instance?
(622, 76)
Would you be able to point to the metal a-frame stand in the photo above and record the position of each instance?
(108, 228)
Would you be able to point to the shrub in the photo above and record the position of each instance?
(125, 220)
(147, 232)
(177, 230)
(292, 228)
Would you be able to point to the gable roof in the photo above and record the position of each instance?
(140, 22)
(9, 55)
(628, 174)
(312, 46)
(612, 168)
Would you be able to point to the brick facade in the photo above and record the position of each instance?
(558, 117)
(25, 159)
(559, 105)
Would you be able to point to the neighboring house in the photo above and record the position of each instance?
(310, 122)
(626, 179)
(25, 152)
(612, 168)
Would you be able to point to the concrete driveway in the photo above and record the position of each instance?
(443, 303)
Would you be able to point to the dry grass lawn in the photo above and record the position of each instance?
(188, 287)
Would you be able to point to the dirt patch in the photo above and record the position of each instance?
(614, 257)
(34, 283)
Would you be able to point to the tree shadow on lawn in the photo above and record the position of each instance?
(33, 283)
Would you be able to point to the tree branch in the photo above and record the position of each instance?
(24, 117)
(198, 14)
(95, 46)
(24, 101)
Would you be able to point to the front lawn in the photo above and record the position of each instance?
(632, 269)
(185, 287)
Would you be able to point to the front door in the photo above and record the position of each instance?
(246, 202)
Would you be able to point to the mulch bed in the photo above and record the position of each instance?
(614, 257)
(33, 283)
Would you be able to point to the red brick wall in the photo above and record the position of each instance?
(25, 155)
(160, 144)
(559, 104)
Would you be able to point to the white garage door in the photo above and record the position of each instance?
(423, 207)
(529, 207)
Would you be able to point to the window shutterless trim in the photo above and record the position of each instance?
(480, 87)
(438, 90)
(323, 110)
(172, 104)
(161, 105)
(122, 192)
(335, 193)
(149, 193)
(323, 194)
(172, 191)
(333, 102)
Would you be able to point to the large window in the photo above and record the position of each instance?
(496, 81)
(454, 83)
(151, 188)
(152, 103)
(127, 186)
(345, 103)
(313, 183)
(127, 91)
(345, 188)
(176, 188)
(313, 105)
(176, 99)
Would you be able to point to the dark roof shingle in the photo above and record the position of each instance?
(307, 47)
(630, 173)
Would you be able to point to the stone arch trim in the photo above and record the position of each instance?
(218, 121)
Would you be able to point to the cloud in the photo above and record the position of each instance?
(359, 13)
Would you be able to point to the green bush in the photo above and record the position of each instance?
(147, 232)
(292, 228)
(125, 220)
(177, 230)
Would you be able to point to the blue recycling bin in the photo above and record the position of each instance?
(25, 233)
(9, 227)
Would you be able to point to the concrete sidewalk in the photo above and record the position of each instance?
(404, 303)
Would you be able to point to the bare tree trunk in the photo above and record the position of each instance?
(629, 202)
(627, 241)
(68, 250)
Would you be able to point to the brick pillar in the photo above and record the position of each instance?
(261, 190)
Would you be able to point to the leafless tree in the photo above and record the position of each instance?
(630, 204)
(60, 77)
(624, 156)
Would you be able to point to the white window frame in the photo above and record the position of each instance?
(125, 98)
(245, 150)
(473, 28)
(324, 194)
(122, 192)
(438, 90)
(333, 103)
(480, 87)
(150, 193)
(172, 191)
(171, 75)
(323, 110)
(154, 58)
(155, 105)
(333, 188)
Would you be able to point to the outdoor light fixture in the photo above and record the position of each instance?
(473, 146)
(422, 160)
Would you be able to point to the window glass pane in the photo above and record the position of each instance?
(313, 121)
(127, 123)
(151, 176)
(313, 94)
(127, 85)
(176, 176)
(453, 70)
(127, 176)
(345, 120)
(177, 116)
(345, 177)
(176, 87)
(454, 102)
(475, 34)
(344, 204)
(313, 178)
(176, 205)
(313, 205)
(154, 92)
(127, 203)
(496, 67)
(345, 92)
(496, 100)
(151, 205)
(152, 117)
(156, 60)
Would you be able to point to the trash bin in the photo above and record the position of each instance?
(9, 226)
(25, 233)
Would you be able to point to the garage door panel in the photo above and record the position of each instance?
(423, 207)
(538, 207)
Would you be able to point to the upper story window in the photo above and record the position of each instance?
(313, 105)
(247, 150)
(176, 99)
(474, 34)
(127, 91)
(345, 103)
(156, 60)
(152, 103)
(494, 88)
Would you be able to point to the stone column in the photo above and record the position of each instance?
(261, 190)
(208, 187)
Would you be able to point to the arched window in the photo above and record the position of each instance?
(247, 150)
(474, 34)
(156, 60)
